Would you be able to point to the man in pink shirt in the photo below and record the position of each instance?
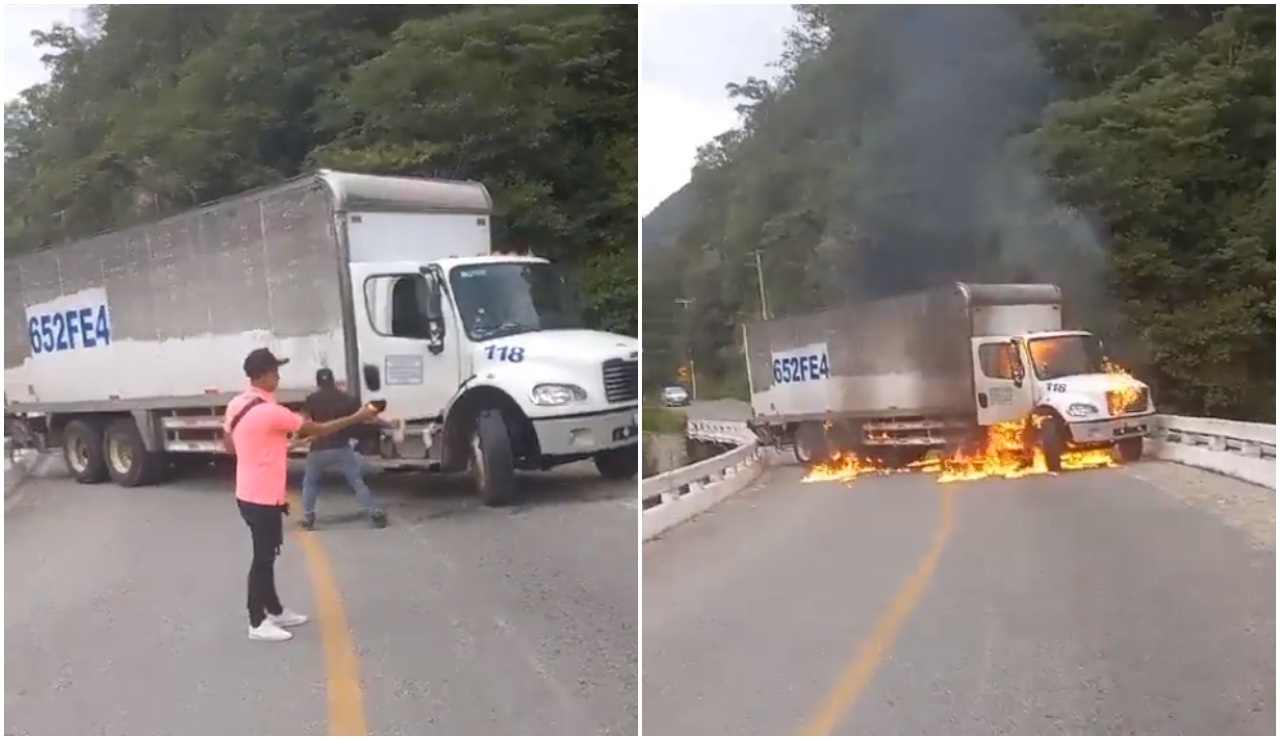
(257, 431)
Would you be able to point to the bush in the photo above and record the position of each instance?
(662, 421)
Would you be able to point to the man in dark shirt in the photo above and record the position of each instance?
(334, 450)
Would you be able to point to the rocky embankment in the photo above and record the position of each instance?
(663, 452)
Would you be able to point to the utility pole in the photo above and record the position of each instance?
(693, 372)
(764, 300)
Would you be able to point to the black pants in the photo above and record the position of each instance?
(266, 526)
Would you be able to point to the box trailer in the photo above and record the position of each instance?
(124, 349)
(903, 375)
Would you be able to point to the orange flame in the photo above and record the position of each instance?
(1119, 400)
(1001, 457)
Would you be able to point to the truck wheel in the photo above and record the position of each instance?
(1129, 450)
(620, 463)
(492, 463)
(82, 449)
(810, 443)
(127, 458)
(1053, 442)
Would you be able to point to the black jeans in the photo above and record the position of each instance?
(266, 526)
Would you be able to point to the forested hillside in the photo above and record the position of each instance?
(664, 224)
(154, 109)
(1124, 152)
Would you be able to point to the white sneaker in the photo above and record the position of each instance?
(269, 631)
(287, 618)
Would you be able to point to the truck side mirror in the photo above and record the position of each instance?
(435, 316)
(433, 298)
(1019, 370)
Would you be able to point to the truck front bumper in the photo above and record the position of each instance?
(579, 434)
(1109, 430)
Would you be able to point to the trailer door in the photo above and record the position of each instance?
(1003, 392)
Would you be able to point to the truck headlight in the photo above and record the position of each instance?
(556, 394)
(1082, 409)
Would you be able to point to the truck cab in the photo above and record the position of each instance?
(1063, 380)
(485, 357)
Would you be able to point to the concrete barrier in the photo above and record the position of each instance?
(683, 493)
(1237, 449)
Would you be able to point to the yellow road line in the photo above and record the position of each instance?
(858, 674)
(341, 664)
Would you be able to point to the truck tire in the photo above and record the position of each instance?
(810, 443)
(492, 463)
(83, 451)
(1129, 450)
(1053, 442)
(126, 456)
(620, 463)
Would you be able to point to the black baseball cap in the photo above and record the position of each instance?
(324, 376)
(261, 361)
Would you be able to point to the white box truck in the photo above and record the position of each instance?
(124, 349)
(895, 378)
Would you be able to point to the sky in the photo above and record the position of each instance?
(22, 67)
(688, 53)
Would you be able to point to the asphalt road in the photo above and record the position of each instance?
(124, 612)
(1128, 601)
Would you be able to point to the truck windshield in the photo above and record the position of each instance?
(1072, 354)
(499, 299)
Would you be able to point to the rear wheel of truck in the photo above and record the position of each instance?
(492, 462)
(1053, 442)
(128, 461)
(83, 451)
(620, 463)
(810, 443)
(1129, 450)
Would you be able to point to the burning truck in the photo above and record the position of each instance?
(966, 381)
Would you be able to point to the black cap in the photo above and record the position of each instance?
(261, 361)
(324, 377)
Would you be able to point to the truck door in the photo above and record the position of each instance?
(1000, 384)
(408, 356)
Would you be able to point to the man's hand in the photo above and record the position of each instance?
(368, 412)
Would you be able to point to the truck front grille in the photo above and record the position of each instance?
(1127, 401)
(621, 380)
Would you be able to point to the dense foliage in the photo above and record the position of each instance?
(1125, 152)
(153, 109)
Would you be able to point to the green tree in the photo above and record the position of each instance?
(152, 110)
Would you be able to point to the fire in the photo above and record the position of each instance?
(1127, 395)
(1001, 457)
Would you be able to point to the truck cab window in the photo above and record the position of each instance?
(397, 305)
(1070, 354)
(504, 298)
(407, 317)
(996, 359)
